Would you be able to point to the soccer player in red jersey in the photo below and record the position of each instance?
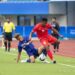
(46, 39)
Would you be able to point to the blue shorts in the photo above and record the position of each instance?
(32, 52)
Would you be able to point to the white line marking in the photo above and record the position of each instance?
(67, 65)
(15, 54)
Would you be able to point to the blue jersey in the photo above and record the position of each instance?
(30, 49)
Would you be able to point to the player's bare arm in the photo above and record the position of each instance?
(30, 36)
(18, 57)
(55, 31)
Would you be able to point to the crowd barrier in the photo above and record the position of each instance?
(68, 31)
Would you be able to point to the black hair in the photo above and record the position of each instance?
(44, 19)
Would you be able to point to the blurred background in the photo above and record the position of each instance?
(26, 13)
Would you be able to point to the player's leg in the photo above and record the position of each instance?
(50, 54)
(46, 44)
(31, 54)
(32, 59)
(9, 41)
(40, 49)
(44, 52)
(5, 44)
(55, 47)
(53, 40)
(5, 41)
(9, 45)
(41, 56)
(56, 44)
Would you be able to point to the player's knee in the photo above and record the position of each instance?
(47, 47)
(32, 58)
(58, 42)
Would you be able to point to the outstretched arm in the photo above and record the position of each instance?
(55, 31)
(30, 36)
(18, 57)
(19, 53)
(34, 30)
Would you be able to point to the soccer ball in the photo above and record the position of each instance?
(42, 57)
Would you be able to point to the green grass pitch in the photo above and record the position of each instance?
(8, 65)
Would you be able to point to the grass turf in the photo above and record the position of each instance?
(8, 65)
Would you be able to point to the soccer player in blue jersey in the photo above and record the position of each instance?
(26, 44)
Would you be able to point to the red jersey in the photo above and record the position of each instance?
(42, 31)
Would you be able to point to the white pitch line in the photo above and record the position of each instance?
(14, 54)
(67, 65)
(58, 63)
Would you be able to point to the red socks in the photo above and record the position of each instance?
(50, 54)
